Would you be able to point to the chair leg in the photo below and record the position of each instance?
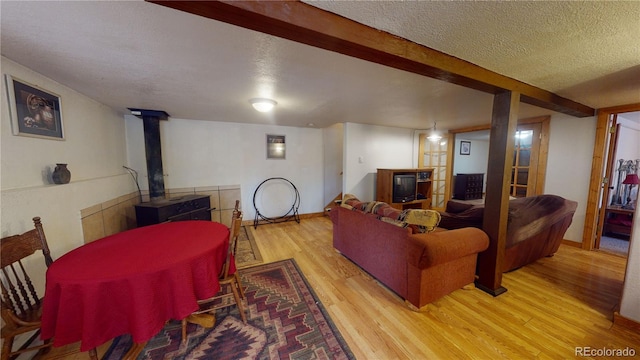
(93, 354)
(6, 348)
(49, 344)
(239, 285)
(236, 296)
(184, 330)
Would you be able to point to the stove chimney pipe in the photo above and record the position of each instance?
(153, 149)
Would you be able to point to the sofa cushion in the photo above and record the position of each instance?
(395, 222)
(471, 217)
(379, 208)
(445, 246)
(350, 202)
(455, 207)
(419, 220)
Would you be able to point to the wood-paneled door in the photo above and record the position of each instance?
(526, 164)
(434, 154)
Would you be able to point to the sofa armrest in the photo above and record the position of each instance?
(426, 250)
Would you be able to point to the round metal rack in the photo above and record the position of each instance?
(292, 214)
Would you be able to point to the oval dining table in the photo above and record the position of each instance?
(132, 282)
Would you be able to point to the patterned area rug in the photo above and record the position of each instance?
(285, 320)
(247, 253)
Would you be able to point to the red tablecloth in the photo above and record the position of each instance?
(132, 282)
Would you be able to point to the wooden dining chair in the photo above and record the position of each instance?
(228, 282)
(235, 233)
(21, 306)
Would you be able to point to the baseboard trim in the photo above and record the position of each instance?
(300, 216)
(311, 215)
(572, 243)
(619, 320)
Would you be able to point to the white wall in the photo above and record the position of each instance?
(333, 140)
(474, 163)
(629, 149)
(200, 153)
(368, 148)
(628, 146)
(94, 148)
(630, 302)
(571, 143)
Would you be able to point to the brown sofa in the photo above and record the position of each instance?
(419, 267)
(535, 227)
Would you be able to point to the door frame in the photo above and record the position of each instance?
(598, 167)
(543, 151)
(612, 145)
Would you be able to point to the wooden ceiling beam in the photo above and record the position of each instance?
(303, 23)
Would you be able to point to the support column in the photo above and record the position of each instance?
(496, 209)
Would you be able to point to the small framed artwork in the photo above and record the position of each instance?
(465, 147)
(276, 147)
(34, 111)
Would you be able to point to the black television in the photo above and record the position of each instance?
(404, 188)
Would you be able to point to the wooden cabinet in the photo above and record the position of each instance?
(190, 207)
(618, 221)
(396, 187)
(468, 186)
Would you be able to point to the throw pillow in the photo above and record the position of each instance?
(373, 206)
(395, 222)
(351, 202)
(425, 220)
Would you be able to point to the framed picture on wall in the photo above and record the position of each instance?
(34, 111)
(465, 147)
(276, 147)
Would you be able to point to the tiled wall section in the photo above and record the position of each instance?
(119, 214)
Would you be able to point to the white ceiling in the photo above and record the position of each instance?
(141, 55)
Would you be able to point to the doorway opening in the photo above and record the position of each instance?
(619, 192)
(528, 170)
(611, 206)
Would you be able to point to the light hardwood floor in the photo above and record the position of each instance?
(551, 307)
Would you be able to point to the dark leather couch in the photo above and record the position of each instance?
(535, 228)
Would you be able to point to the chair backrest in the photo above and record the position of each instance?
(236, 211)
(18, 293)
(234, 232)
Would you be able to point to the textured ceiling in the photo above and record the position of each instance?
(552, 45)
(136, 54)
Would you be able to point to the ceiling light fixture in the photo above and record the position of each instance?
(262, 104)
(434, 136)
